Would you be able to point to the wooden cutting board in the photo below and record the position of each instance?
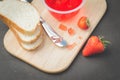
(50, 58)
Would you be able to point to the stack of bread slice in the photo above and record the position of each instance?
(23, 20)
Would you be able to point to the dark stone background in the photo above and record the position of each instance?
(101, 67)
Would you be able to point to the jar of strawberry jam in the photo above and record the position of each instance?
(63, 9)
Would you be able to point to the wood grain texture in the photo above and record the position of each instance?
(48, 57)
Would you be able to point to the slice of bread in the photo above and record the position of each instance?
(34, 45)
(28, 46)
(21, 15)
(28, 38)
(23, 20)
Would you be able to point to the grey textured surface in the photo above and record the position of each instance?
(105, 66)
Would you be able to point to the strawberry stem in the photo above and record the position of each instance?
(88, 22)
(105, 42)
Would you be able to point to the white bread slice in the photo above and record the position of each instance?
(28, 38)
(22, 16)
(23, 20)
(29, 46)
(34, 45)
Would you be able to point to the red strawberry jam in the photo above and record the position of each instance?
(63, 5)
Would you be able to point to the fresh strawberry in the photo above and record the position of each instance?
(83, 23)
(94, 45)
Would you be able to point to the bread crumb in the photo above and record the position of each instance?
(80, 37)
